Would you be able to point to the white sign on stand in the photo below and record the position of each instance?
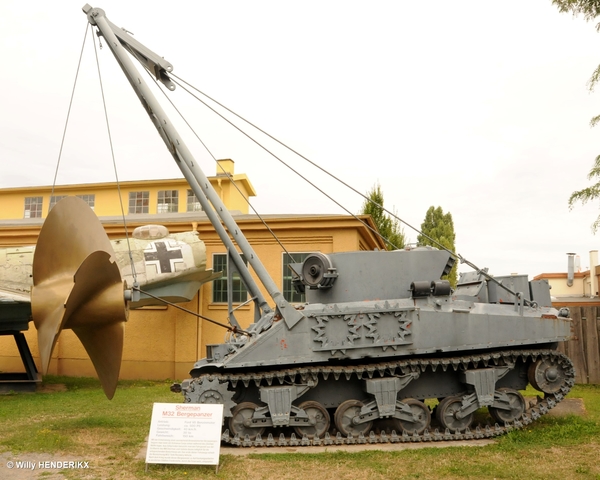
(185, 433)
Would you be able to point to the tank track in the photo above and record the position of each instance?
(535, 409)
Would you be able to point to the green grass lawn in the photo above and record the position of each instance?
(81, 423)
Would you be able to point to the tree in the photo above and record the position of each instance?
(590, 9)
(438, 231)
(590, 193)
(389, 228)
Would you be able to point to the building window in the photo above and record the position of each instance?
(193, 205)
(239, 293)
(33, 207)
(289, 292)
(138, 202)
(54, 199)
(89, 199)
(168, 201)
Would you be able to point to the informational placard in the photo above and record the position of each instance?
(184, 433)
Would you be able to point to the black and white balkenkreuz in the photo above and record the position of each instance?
(165, 255)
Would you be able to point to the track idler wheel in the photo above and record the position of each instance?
(421, 413)
(448, 414)
(319, 420)
(546, 376)
(516, 404)
(344, 416)
(239, 422)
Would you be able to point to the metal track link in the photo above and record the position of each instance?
(536, 409)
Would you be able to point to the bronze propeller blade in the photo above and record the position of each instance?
(77, 285)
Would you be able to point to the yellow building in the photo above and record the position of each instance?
(164, 342)
(580, 288)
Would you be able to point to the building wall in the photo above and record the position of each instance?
(559, 287)
(164, 342)
(585, 283)
(107, 202)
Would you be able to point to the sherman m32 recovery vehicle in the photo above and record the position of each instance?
(380, 339)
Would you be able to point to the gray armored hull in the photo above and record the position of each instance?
(379, 364)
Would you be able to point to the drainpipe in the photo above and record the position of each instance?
(593, 276)
(570, 269)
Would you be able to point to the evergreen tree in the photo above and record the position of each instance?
(590, 9)
(388, 227)
(439, 227)
(590, 193)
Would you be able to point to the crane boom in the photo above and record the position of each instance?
(119, 43)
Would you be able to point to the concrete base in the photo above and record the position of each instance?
(569, 406)
(385, 447)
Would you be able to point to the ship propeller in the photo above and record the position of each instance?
(77, 284)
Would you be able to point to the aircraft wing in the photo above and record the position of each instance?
(15, 311)
(179, 290)
(8, 295)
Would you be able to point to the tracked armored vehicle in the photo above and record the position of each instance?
(381, 340)
(381, 335)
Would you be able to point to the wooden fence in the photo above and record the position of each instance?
(584, 348)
